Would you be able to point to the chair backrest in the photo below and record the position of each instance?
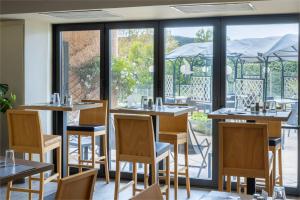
(94, 116)
(78, 186)
(243, 149)
(174, 124)
(151, 193)
(134, 138)
(25, 134)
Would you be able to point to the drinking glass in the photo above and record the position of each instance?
(9, 157)
(279, 193)
(56, 99)
(158, 102)
(272, 106)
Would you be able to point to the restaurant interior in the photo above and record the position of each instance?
(158, 99)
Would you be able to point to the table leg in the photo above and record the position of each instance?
(155, 121)
(60, 128)
(250, 186)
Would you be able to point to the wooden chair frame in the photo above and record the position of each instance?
(63, 184)
(266, 172)
(91, 117)
(38, 146)
(146, 159)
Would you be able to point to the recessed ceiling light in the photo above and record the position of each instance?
(214, 7)
(81, 14)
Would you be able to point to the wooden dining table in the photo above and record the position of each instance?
(169, 110)
(273, 118)
(60, 122)
(22, 169)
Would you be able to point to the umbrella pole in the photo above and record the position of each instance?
(266, 80)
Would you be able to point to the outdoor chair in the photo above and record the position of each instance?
(292, 122)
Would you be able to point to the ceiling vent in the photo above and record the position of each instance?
(214, 7)
(81, 14)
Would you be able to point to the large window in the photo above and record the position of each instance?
(182, 61)
(188, 80)
(80, 66)
(262, 65)
(131, 74)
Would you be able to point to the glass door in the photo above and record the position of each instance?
(131, 75)
(188, 78)
(262, 65)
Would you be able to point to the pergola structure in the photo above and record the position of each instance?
(251, 50)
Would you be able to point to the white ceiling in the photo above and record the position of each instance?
(167, 12)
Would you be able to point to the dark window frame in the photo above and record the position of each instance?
(219, 63)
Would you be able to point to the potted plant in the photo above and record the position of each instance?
(6, 101)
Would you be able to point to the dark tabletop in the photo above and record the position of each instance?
(22, 169)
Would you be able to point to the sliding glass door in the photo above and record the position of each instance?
(262, 65)
(131, 67)
(188, 80)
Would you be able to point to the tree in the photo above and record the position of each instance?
(203, 35)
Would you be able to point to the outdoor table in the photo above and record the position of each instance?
(230, 113)
(22, 169)
(155, 113)
(60, 123)
(284, 102)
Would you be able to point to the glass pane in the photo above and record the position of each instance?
(131, 74)
(80, 61)
(262, 65)
(188, 80)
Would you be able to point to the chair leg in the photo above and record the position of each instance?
(145, 175)
(117, 180)
(79, 152)
(238, 184)
(175, 170)
(187, 177)
(280, 166)
(268, 179)
(41, 192)
(220, 182)
(58, 167)
(93, 152)
(168, 177)
(29, 180)
(134, 178)
(104, 144)
(9, 185)
(68, 168)
(228, 183)
(153, 171)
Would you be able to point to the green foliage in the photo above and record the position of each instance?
(203, 35)
(89, 74)
(6, 102)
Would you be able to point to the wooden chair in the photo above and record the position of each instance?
(174, 130)
(135, 143)
(26, 136)
(78, 186)
(92, 123)
(244, 152)
(151, 193)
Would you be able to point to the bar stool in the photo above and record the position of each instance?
(26, 136)
(135, 143)
(174, 130)
(92, 123)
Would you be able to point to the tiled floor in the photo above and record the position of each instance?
(106, 192)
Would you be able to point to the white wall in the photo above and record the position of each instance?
(38, 71)
(25, 64)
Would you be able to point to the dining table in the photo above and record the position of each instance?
(155, 112)
(21, 169)
(273, 118)
(60, 122)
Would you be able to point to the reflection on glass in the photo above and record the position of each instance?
(131, 74)
(188, 80)
(262, 66)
